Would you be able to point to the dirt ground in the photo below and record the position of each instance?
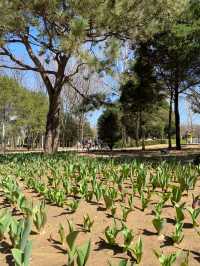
(47, 251)
(188, 152)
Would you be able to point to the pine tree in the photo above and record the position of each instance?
(109, 127)
(141, 90)
(177, 58)
(57, 33)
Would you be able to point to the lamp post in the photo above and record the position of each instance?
(4, 130)
(9, 119)
(3, 137)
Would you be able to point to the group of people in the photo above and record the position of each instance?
(90, 144)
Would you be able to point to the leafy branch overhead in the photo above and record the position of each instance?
(56, 35)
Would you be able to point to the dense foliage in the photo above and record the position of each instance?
(128, 130)
(22, 112)
(109, 127)
(23, 116)
(60, 37)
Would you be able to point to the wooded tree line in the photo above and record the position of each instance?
(61, 37)
(23, 118)
(164, 67)
(126, 126)
(22, 113)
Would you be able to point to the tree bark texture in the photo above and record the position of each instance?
(177, 118)
(170, 121)
(53, 123)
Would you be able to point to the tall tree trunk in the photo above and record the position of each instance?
(3, 138)
(142, 126)
(14, 143)
(3, 131)
(170, 121)
(137, 129)
(63, 140)
(123, 131)
(53, 123)
(82, 127)
(177, 118)
(143, 138)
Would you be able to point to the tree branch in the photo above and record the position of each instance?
(15, 68)
(37, 62)
(75, 72)
(20, 63)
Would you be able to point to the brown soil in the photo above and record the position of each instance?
(47, 251)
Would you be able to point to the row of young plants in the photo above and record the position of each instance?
(18, 230)
(65, 180)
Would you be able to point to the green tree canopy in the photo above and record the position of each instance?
(23, 112)
(177, 57)
(109, 127)
(59, 35)
(141, 90)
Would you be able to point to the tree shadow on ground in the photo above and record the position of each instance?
(187, 155)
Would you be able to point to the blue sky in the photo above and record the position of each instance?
(31, 83)
(93, 116)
